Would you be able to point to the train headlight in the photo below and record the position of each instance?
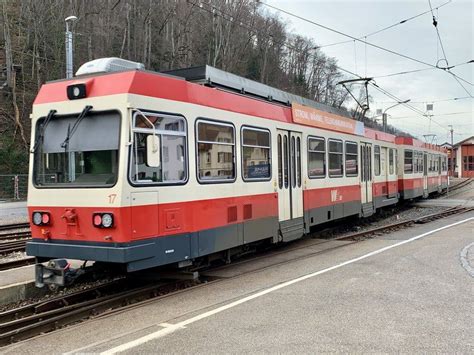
(103, 220)
(37, 218)
(41, 218)
(107, 220)
(76, 91)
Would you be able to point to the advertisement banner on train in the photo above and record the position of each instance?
(313, 117)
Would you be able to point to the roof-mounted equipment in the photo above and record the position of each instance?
(108, 65)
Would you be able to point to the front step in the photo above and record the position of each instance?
(367, 209)
(291, 229)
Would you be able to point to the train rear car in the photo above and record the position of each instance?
(424, 168)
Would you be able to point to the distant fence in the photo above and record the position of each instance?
(13, 187)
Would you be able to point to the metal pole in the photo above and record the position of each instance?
(69, 47)
(384, 122)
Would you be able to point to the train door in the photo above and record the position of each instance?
(366, 178)
(425, 174)
(290, 191)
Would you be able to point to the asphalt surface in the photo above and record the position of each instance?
(12, 212)
(415, 297)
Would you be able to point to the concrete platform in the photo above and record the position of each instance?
(17, 284)
(405, 292)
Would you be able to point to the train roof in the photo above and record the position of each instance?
(418, 144)
(252, 99)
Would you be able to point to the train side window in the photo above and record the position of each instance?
(396, 162)
(293, 162)
(255, 154)
(280, 172)
(298, 161)
(377, 160)
(285, 159)
(335, 158)
(408, 162)
(217, 141)
(390, 162)
(171, 133)
(316, 157)
(351, 159)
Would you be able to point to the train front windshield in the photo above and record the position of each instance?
(77, 151)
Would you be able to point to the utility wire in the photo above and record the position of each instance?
(435, 24)
(439, 114)
(386, 28)
(402, 73)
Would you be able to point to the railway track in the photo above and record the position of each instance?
(27, 321)
(8, 227)
(45, 316)
(17, 263)
(12, 246)
(459, 185)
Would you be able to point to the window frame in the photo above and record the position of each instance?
(254, 128)
(412, 165)
(234, 158)
(36, 127)
(342, 154)
(391, 161)
(147, 130)
(379, 165)
(357, 158)
(323, 176)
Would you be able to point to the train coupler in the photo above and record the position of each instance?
(56, 273)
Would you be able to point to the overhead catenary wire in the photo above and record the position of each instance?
(362, 41)
(386, 93)
(387, 27)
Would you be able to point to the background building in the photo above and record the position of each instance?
(463, 153)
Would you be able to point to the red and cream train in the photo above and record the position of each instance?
(145, 169)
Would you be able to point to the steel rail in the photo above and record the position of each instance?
(17, 263)
(25, 322)
(4, 227)
(13, 246)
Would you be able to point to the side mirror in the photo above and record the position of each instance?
(153, 151)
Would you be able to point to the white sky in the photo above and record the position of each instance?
(416, 38)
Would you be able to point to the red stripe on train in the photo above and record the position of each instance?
(140, 222)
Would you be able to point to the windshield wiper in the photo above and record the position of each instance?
(41, 134)
(71, 131)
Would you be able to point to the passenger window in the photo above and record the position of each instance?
(377, 160)
(396, 162)
(316, 157)
(255, 154)
(293, 162)
(390, 162)
(280, 172)
(216, 151)
(285, 159)
(171, 133)
(298, 161)
(351, 159)
(408, 165)
(335, 158)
